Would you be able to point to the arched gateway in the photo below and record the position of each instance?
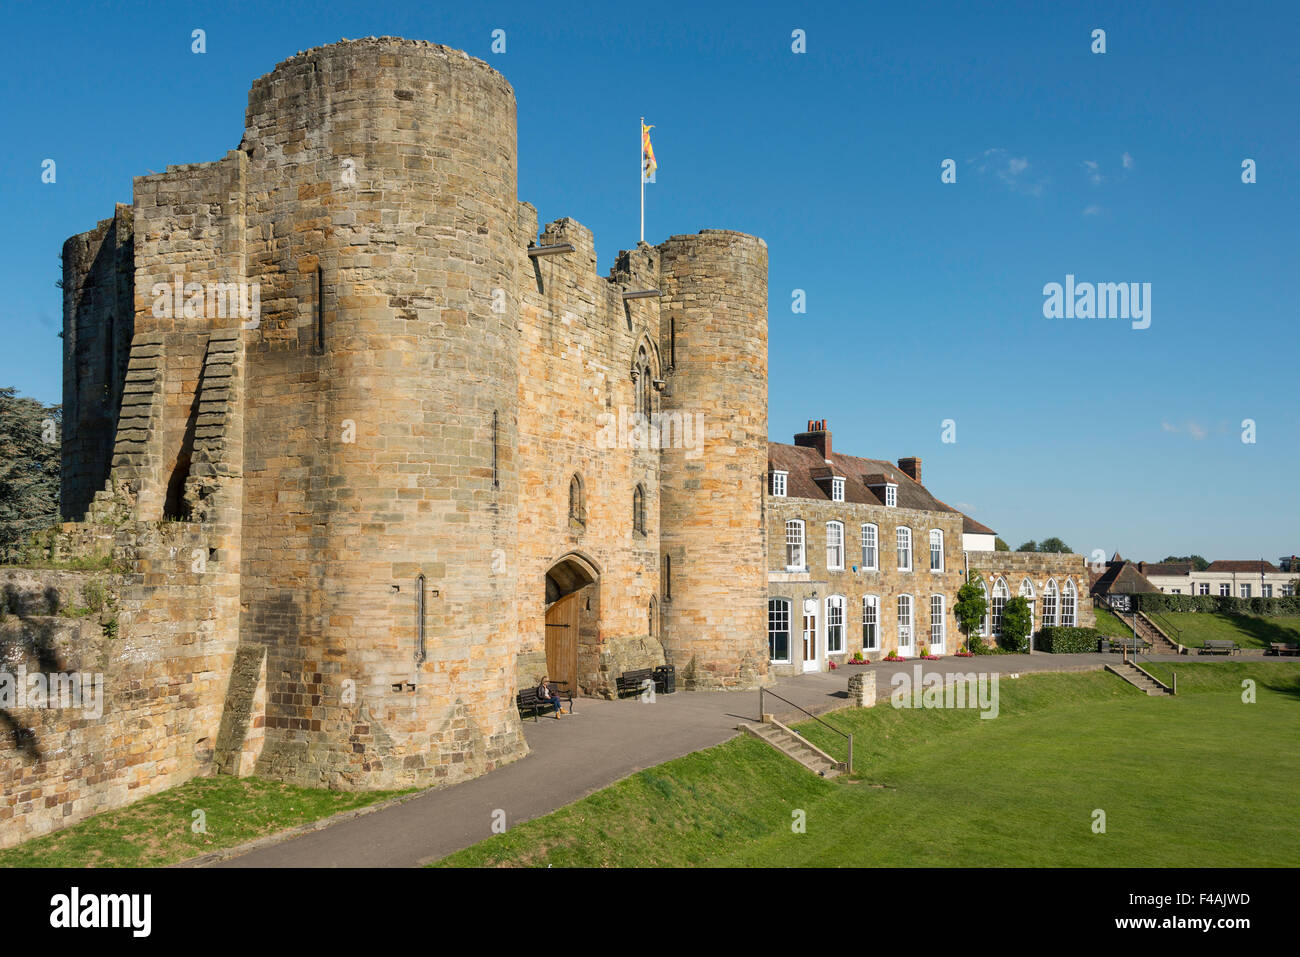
(572, 604)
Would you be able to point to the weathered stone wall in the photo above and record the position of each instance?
(714, 321)
(854, 582)
(1039, 568)
(98, 323)
(577, 386)
(381, 203)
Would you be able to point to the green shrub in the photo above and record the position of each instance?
(1277, 606)
(1017, 620)
(970, 607)
(1059, 640)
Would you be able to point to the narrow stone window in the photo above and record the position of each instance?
(672, 342)
(638, 510)
(419, 620)
(668, 578)
(577, 502)
(496, 483)
(318, 344)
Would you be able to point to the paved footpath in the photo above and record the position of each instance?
(574, 756)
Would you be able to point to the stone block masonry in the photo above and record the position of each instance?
(343, 520)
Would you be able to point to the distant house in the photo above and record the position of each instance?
(1253, 578)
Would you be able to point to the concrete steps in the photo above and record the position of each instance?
(1139, 678)
(795, 746)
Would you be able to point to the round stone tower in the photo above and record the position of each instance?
(381, 489)
(713, 316)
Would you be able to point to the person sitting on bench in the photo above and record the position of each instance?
(546, 695)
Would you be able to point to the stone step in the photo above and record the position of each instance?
(795, 747)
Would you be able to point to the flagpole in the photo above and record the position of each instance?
(640, 146)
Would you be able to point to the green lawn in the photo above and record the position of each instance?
(158, 830)
(1202, 779)
(1249, 631)
(1110, 624)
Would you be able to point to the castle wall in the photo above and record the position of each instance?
(714, 320)
(381, 204)
(98, 310)
(577, 352)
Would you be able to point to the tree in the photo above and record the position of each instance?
(1000, 546)
(1017, 620)
(1198, 563)
(29, 467)
(1029, 546)
(971, 606)
(1054, 545)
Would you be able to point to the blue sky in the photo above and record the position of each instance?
(924, 299)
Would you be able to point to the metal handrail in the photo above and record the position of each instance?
(763, 691)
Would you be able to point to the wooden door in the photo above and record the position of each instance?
(562, 641)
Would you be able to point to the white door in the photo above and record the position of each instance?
(810, 662)
(905, 626)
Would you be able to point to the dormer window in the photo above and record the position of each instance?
(778, 483)
(837, 490)
(891, 496)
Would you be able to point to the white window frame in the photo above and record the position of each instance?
(770, 631)
(1244, 589)
(906, 620)
(1203, 588)
(838, 603)
(835, 546)
(870, 549)
(1051, 603)
(795, 562)
(936, 537)
(1225, 590)
(997, 606)
(1265, 590)
(871, 619)
(901, 535)
(837, 489)
(891, 496)
(1069, 604)
(779, 483)
(937, 628)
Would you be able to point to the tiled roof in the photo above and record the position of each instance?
(1169, 568)
(972, 527)
(803, 463)
(1122, 578)
(1233, 566)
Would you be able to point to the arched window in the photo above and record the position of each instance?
(835, 546)
(835, 625)
(870, 622)
(1027, 593)
(870, 540)
(577, 501)
(1000, 595)
(794, 550)
(1069, 604)
(638, 509)
(936, 550)
(904, 548)
(984, 622)
(652, 618)
(1050, 595)
(778, 630)
(643, 377)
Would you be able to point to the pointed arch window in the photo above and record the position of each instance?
(1000, 595)
(638, 510)
(1051, 596)
(1069, 605)
(577, 501)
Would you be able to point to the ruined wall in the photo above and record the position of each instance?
(577, 383)
(98, 322)
(381, 416)
(714, 320)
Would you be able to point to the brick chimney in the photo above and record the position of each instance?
(817, 437)
(911, 467)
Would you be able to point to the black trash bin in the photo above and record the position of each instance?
(665, 679)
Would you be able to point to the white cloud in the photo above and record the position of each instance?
(1013, 171)
(1127, 161)
(1192, 428)
(1093, 210)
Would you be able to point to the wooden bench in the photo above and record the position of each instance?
(1219, 646)
(528, 701)
(1283, 648)
(633, 682)
(1130, 645)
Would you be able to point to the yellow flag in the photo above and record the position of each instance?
(648, 164)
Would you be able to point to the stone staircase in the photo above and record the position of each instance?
(794, 745)
(1139, 678)
(1160, 644)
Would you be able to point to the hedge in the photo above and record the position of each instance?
(1059, 640)
(1220, 604)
